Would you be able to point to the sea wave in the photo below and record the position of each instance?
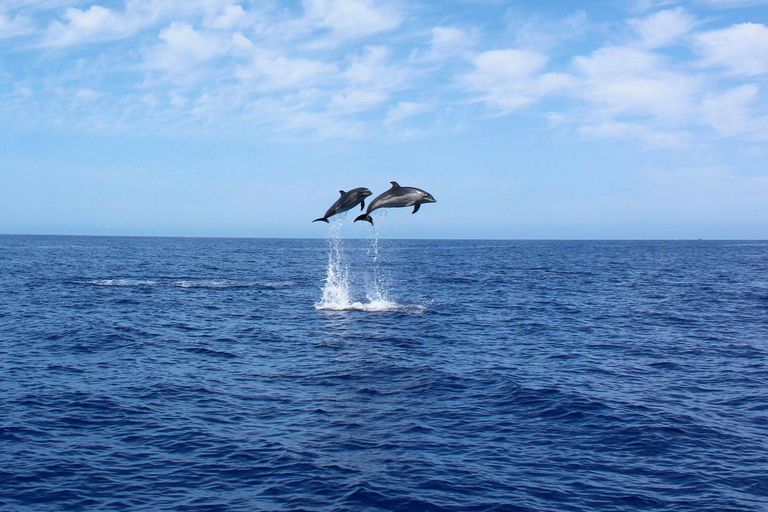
(209, 283)
(190, 283)
(122, 282)
(280, 383)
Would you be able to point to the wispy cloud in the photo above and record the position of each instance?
(449, 42)
(404, 110)
(269, 70)
(664, 27)
(733, 3)
(92, 25)
(742, 48)
(98, 23)
(17, 25)
(542, 33)
(622, 80)
(352, 68)
(182, 46)
(736, 111)
(509, 79)
(652, 137)
(352, 18)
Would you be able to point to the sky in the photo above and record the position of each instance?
(525, 119)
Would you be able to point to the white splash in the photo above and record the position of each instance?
(337, 294)
(336, 289)
(377, 287)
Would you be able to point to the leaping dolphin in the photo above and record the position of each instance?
(397, 197)
(347, 201)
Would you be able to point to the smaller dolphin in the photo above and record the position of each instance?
(397, 197)
(347, 201)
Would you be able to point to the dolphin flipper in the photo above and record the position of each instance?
(416, 208)
(322, 219)
(362, 205)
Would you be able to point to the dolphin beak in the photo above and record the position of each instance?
(431, 199)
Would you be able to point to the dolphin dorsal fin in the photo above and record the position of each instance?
(395, 184)
(342, 192)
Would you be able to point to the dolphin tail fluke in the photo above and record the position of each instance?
(322, 219)
(365, 217)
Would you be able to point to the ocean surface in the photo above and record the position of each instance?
(190, 374)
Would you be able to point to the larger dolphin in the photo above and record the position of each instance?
(397, 197)
(347, 201)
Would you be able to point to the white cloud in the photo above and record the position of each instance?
(507, 65)
(503, 77)
(14, 26)
(325, 59)
(369, 67)
(270, 70)
(742, 48)
(183, 46)
(652, 136)
(94, 24)
(87, 95)
(542, 33)
(232, 16)
(241, 45)
(734, 3)
(668, 96)
(356, 101)
(629, 81)
(404, 110)
(319, 124)
(664, 27)
(372, 68)
(622, 93)
(617, 61)
(41, 5)
(177, 9)
(509, 79)
(98, 23)
(352, 18)
(449, 41)
(178, 100)
(731, 112)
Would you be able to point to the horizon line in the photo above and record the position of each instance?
(683, 239)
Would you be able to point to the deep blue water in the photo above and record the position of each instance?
(199, 374)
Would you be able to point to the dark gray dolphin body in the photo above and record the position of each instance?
(397, 197)
(347, 201)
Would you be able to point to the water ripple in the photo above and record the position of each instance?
(184, 374)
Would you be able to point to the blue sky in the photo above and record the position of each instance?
(605, 119)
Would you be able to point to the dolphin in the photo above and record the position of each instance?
(347, 201)
(397, 197)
